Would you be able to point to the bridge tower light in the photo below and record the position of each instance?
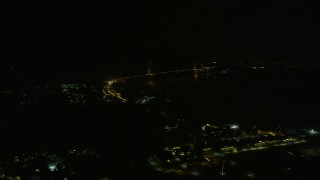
(149, 72)
(195, 70)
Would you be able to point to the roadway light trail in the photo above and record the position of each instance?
(109, 90)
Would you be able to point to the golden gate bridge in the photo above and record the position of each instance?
(108, 90)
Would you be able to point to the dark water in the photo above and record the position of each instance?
(257, 98)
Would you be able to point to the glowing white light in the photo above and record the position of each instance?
(52, 167)
(234, 126)
(203, 128)
(313, 131)
(184, 166)
(250, 175)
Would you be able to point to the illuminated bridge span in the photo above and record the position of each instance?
(108, 90)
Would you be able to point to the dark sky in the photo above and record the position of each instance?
(88, 39)
(236, 29)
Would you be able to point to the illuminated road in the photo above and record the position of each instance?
(108, 90)
(262, 146)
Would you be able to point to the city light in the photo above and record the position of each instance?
(234, 126)
(313, 132)
(250, 174)
(167, 100)
(52, 167)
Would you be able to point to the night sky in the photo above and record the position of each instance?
(42, 41)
